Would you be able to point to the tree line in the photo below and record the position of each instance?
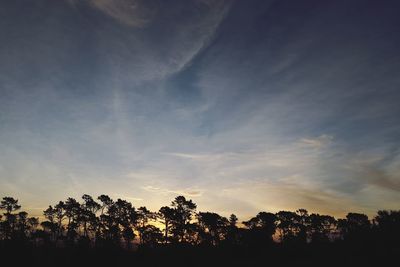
(106, 222)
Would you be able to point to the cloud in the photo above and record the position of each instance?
(383, 179)
(318, 142)
(376, 169)
(135, 199)
(188, 192)
(223, 101)
(135, 13)
(202, 157)
(289, 194)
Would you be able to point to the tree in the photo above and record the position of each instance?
(232, 235)
(128, 235)
(100, 230)
(262, 228)
(213, 227)
(32, 224)
(303, 224)
(143, 217)
(184, 211)
(233, 220)
(72, 212)
(321, 227)
(290, 226)
(50, 226)
(59, 214)
(49, 229)
(150, 235)
(167, 216)
(106, 202)
(387, 227)
(118, 221)
(22, 225)
(88, 214)
(355, 227)
(10, 205)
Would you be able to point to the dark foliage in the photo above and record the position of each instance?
(105, 232)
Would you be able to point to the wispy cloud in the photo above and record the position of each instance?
(131, 12)
(318, 142)
(289, 193)
(188, 192)
(225, 101)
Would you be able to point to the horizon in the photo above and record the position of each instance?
(240, 106)
(38, 212)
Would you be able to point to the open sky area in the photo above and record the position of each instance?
(242, 106)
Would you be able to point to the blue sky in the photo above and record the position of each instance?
(242, 106)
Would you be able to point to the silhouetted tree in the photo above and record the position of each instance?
(10, 205)
(128, 235)
(321, 227)
(150, 235)
(182, 228)
(87, 215)
(355, 227)
(167, 216)
(106, 202)
(303, 225)
(59, 214)
(232, 234)
(290, 227)
(32, 224)
(143, 217)
(21, 225)
(387, 227)
(116, 224)
(50, 226)
(119, 218)
(72, 213)
(103, 221)
(213, 227)
(262, 228)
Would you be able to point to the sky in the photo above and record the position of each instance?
(242, 106)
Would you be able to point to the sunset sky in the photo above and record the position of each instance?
(242, 106)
